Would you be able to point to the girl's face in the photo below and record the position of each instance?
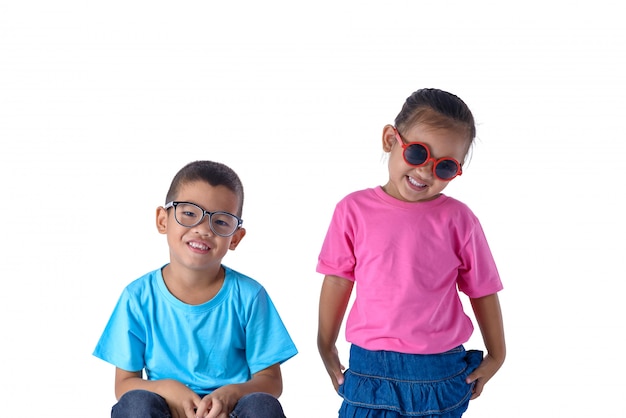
(198, 248)
(419, 184)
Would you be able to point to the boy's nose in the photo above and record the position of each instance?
(204, 227)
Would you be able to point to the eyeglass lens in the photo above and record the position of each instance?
(417, 154)
(446, 169)
(222, 223)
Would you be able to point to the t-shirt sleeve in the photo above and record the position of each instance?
(267, 339)
(478, 274)
(337, 257)
(123, 341)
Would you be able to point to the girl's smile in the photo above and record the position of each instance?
(418, 184)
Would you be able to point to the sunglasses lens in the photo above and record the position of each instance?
(416, 154)
(446, 169)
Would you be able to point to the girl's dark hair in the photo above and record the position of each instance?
(438, 109)
(216, 174)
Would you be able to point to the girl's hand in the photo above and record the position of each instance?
(333, 366)
(485, 371)
(489, 317)
(334, 299)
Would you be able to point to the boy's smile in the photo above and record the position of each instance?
(198, 247)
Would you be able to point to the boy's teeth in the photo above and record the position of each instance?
(196, 245)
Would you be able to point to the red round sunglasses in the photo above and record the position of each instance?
(417, 154)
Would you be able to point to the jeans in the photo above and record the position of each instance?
(145, 404)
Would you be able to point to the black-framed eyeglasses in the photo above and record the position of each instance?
(189, 214)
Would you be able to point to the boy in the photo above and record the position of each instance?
(208, 338)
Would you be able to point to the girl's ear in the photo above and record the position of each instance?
(161, 220)
(389, 138)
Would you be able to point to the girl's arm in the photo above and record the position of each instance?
(334, 299)
(489, 317)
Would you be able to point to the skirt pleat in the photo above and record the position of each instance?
(384, 384)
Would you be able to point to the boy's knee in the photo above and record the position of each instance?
(141, 403)
(258, 405)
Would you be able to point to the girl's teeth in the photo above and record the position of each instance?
(413, 182)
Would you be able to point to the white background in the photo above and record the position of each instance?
(102, 102)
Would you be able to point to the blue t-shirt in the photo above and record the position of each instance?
(223, 341)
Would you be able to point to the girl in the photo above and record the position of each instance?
(409, 248)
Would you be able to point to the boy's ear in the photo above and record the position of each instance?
(389, 138)
(236, 238)
(161, 220)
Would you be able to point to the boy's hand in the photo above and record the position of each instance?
(219, 403)
(181, 400)
(222, 401)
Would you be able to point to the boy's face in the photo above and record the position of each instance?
(199, 248)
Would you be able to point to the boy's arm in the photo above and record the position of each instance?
(181, 400)
(489, 317)
(126, 381)
(334, 299)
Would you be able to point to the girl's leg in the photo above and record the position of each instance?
(141, 404)
(258, 405)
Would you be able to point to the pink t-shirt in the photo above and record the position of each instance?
(407, 260)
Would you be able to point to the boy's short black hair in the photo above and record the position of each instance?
(214, 173)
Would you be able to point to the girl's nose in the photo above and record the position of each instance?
(426, 170)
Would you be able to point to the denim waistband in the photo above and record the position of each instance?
(410, 367)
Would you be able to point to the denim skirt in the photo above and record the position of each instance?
(386, 384)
